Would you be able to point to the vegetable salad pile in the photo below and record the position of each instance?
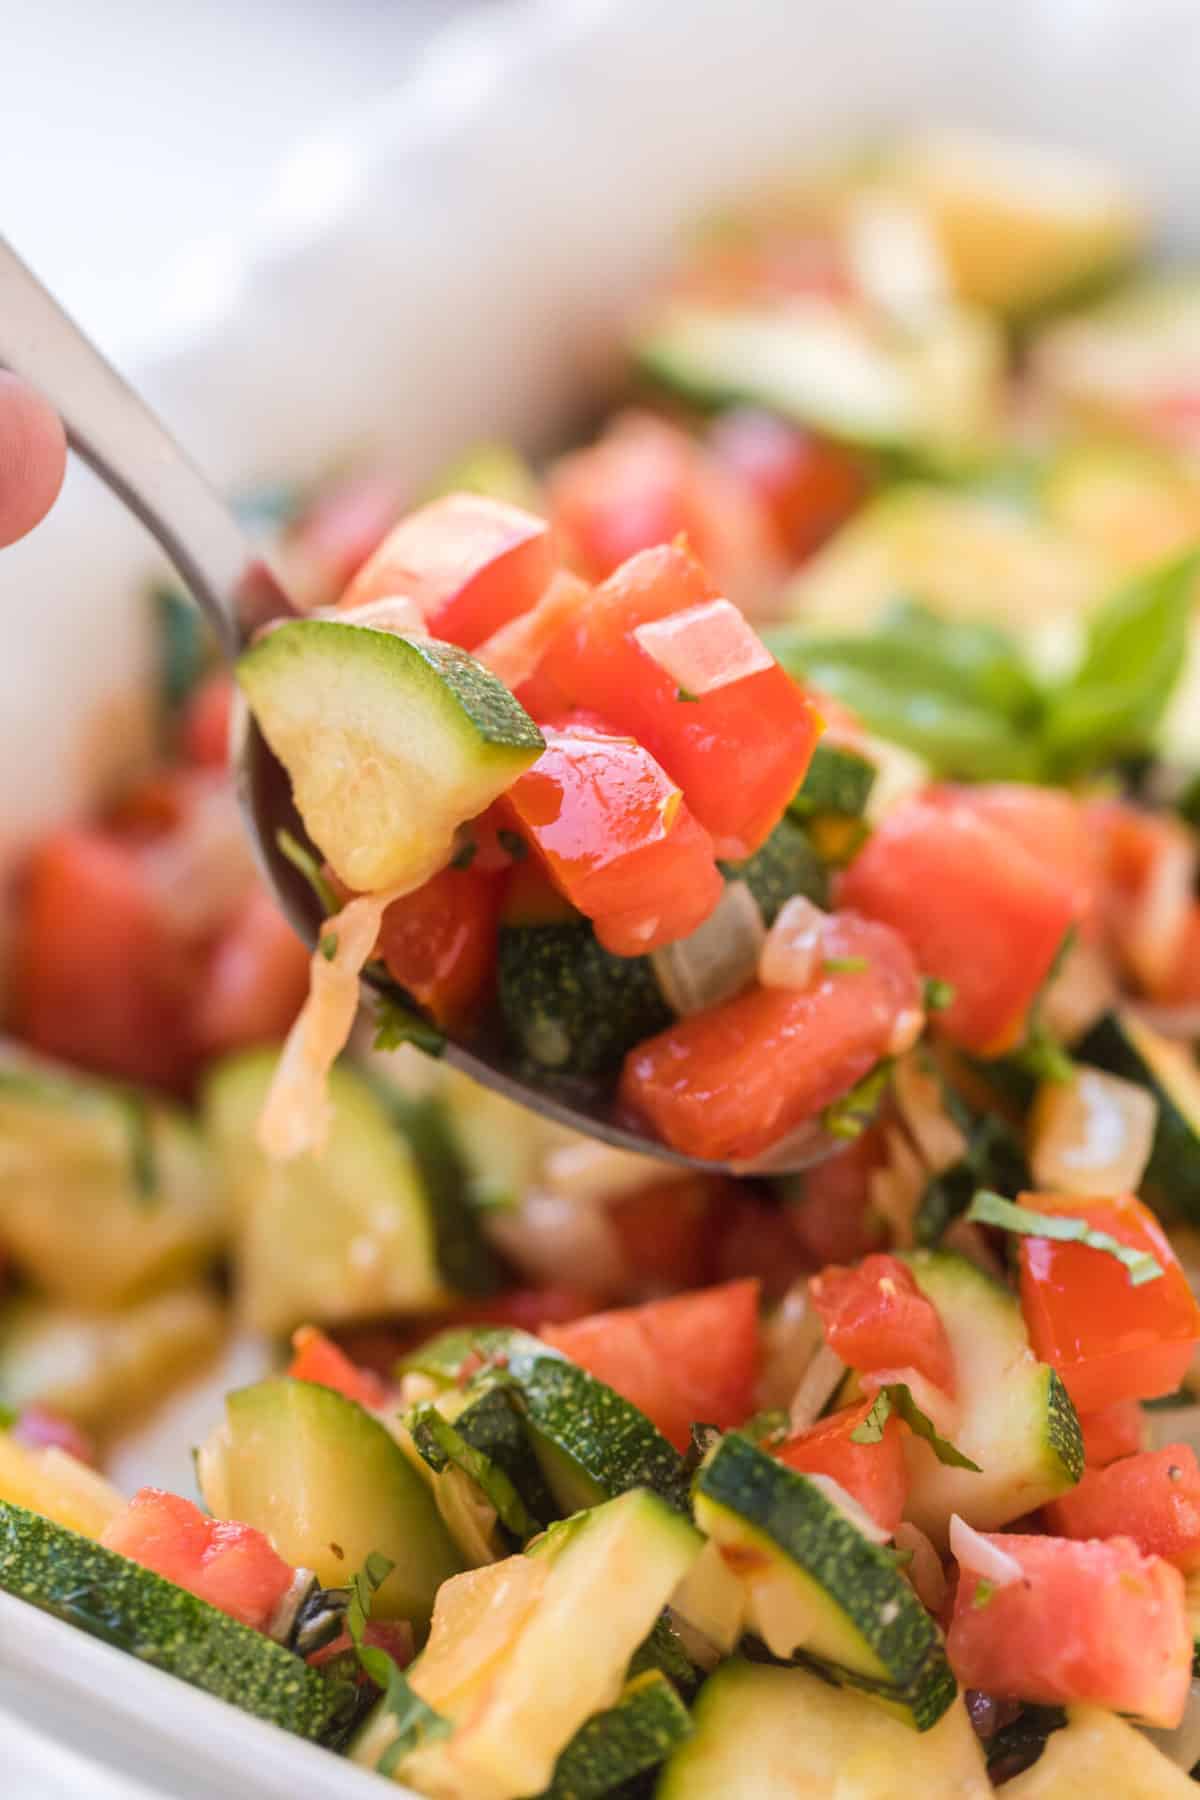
(807, 764)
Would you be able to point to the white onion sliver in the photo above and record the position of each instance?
(816, 1388)
(925, 1571)
(1152, 936)
(1080, 993)
(971, 1550)
(390, 612)
(792, 1336)
(791, 952)
(922, 1104)
(895, 1189)
(1181, 1745)
(715, 961)
(852, 1509)
(1092, 1134)
(705, 647)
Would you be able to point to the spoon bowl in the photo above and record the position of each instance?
(113, 430)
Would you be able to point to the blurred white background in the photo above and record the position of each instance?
(134, 134)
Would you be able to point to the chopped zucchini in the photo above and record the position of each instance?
(328, 1484)
(785, 1734)
(502, 1144)
(664, 1651)
(786, 864)
(522, 1654)
(493, 1423)
(390, 742)
(569, 1004)
(106, 1193)
(1019, 226)
(112, 1598)
(442, 1447)
(48, 1481)
(104, 1369)
(930, 392)
(464, 1256)
(1099, 1757)
(839, 780)
(1015, 1417)
(1124, 1045)
(815, 1584)
(349, 1234)
(590, 1443)
(763, 1733)
(648, 1722)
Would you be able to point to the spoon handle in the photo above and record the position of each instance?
(130, 449)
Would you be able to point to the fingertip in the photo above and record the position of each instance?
(33, 458)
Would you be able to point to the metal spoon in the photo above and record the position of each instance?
(115, 432)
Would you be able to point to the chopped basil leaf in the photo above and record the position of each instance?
(415, 1722)
(937, 995)
(683, 694)
(984, 1589)
(328, 945)
(767, 1428)
(302, 858)
(845, 965)
(8, 1416)
(849, 1117)
(396, 1024)
(992, 1209)
(897, 1398)
(700, 1442)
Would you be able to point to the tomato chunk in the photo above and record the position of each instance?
(1093, 1621)
(1108, 1339)
(1153, 1497)
(665, 1228)
(1049, 823)
(880, 1323)
(100, 977)
(692, 1358)
(255, 982)
(875, 1475)
(316, 1358)
(1115, 1431)
(338, 531)
(727, 1082)
(231, 1566)
(831, 1215)
(739, 753)
(439, 943)
(470, 563)
(963, 893)
(807, 485)
(617, 837)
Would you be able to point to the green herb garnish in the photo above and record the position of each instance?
(302, 858)
(992, 1209)
(397, 1024)
(937, 996)
(690, 698)
(849, 1116)
(328, 945)
(845, 965)
(415, 1722)
(897, 1398)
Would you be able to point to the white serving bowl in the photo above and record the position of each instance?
(450, 266)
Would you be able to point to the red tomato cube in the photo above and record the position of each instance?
(1108, 1339)
(1153, 1497)
(880, 1323)
(439, 942)
(1115, 1431)
(318, 1359)
(876, 1475)
(231, 1566)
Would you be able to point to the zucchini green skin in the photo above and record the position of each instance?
(839, 780)
(1173, 1172)
(441, 1444)
(492, 1422)
(463, 1254)
(590, 1443)
(117, 1600)
(877, 1636)
(786, 864)
(570, 1005)
(646, 1725)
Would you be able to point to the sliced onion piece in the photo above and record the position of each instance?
(514, 652)
(849, 1507)
(705, 647)
(925, 1571)
(715, 961)
(790, 956)
(390, 612)
(922, 1102)
(1092, 1134)
(896, 1188)
(1079, 994)
(816, 1389)
(1152, 935)
(971, 1550)
(792, 1336)
(1181, 1745)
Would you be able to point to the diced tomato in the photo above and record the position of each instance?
(829, 1211)
(255, 982)
(1108, 1339)
(1115, 1431)
(204, 730)
(531, 898)
(876, 1475)
(1153, 922)
(618, 838)
(42, 1429)
(439, 942)
(690, 1359)
(1152, 1497)
(470, 563)
(976, 909)
(344, 525)
(739, 753)
(1047, 822)
(807, 485)
(646, 482)
(317, 1358)
(729, 1081)
(393, 1636)
(664, 1230)
(753, 1236)
(100, 976)
(1086, 1622)
(879, 1322)
(231, 1566)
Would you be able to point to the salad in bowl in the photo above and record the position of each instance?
(807, 758)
